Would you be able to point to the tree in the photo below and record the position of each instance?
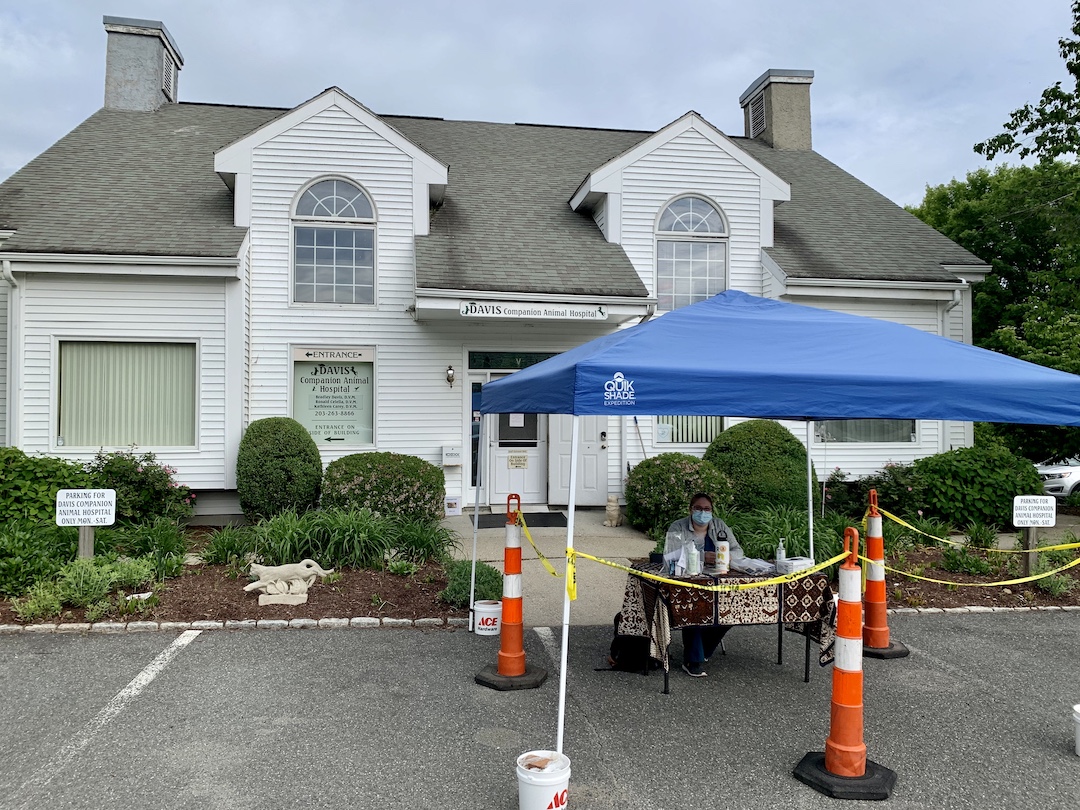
(1052, 128)
(1025, 223)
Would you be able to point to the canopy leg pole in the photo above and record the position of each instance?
(481, 451)
(566, 592)
(810, 485)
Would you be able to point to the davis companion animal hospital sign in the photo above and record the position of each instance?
(85, 507)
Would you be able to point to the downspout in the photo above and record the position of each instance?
(12, 382)
(944, 444)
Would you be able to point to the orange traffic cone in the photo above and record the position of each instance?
(511, 671)
(876, 642)
(843, 771)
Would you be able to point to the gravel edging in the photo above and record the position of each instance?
(374, 621)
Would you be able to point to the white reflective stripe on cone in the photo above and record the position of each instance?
(512, 586)
(873, 526)
(849, 652)
(875, 572)
(513, 535)
(850, 585)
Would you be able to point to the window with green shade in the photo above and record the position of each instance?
(123, 394)
(865, 430)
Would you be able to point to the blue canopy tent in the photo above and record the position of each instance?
(739, 355)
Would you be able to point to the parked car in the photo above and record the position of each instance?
(1062, 478)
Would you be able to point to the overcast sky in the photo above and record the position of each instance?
(901, 90)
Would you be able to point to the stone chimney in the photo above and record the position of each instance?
(142, 65)
(776, 108)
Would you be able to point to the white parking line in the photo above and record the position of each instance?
(43, 775)
(551, 645)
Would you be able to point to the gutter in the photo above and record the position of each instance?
(12, 391)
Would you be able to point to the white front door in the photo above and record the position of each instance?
(518, 457)
(592, 482)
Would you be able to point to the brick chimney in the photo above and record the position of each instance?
(776, 108)
(142, 65)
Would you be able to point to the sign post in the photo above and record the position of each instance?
(86, 508)
(1030, 511)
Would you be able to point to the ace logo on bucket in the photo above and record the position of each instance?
(559, 801)
(619, 391)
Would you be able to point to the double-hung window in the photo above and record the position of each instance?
(691, 265)
(691, 253)
(334, 245)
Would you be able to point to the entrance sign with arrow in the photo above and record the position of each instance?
(332, 393)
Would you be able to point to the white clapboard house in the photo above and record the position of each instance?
(173, 271)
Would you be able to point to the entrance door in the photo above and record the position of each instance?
(516, 446)
(592, 482)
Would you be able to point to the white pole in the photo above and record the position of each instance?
(810, 485)
(481, 451)
(566, 594)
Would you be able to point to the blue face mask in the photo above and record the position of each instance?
(701, 517)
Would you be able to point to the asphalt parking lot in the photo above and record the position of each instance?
(979, 715)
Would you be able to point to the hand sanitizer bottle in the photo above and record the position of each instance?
(693, 560)
(781, 552)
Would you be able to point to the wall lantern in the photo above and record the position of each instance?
(450, 376)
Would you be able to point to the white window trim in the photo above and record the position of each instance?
(678, 236)
(335, 223)
(54, 396)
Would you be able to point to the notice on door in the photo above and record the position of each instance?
(332, 395)
(517, 461)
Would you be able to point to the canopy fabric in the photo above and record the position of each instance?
(739, 355)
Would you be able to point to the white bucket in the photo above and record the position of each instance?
(1076, 719)
(546, 789)
(487, 617)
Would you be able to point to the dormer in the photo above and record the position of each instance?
(233, 163)
(604, 186)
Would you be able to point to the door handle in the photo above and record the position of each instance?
(603, 440)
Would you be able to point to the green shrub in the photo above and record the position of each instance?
(975, 484)
(145, 488)
(163, 541)
(489, 583)
(390, 484)
(30, 484)
(31, 551)
(759, 531)
(899, 490)
(418, 541)
(659, 489)
(765, 463)
(83, 582)
(278, 468)
(227, 544)
(843, 496)
(42, 601)
(135, 573)
(964, 562)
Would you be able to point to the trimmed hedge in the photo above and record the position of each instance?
(390, 484)
(658, 491)
(278, 468)
(765, 463)
(975, 484)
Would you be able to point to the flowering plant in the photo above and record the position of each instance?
(145, 488)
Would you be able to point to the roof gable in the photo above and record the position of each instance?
(608, 177)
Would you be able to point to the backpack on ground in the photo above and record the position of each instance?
(629, 653)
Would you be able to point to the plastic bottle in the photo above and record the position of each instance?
(781, 552)
(693, 560)
(723, 556)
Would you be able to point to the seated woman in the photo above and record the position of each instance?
(704, 531)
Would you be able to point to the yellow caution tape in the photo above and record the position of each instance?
(961, 544)
(740, 586)
(543, 560)
(999, 584)
(571, 574)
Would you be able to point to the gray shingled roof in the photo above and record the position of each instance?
(505, 223)
(144, 184)
(835, 226)
(131, 183)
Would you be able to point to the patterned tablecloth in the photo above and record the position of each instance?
(808, 608)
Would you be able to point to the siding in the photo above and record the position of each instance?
(690, 163)
(58, 307)
(3, 364)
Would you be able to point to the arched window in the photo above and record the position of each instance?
(334, 245)
(691, 253)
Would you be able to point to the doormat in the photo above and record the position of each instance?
(534, 520)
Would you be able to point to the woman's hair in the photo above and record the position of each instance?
(704, 495)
